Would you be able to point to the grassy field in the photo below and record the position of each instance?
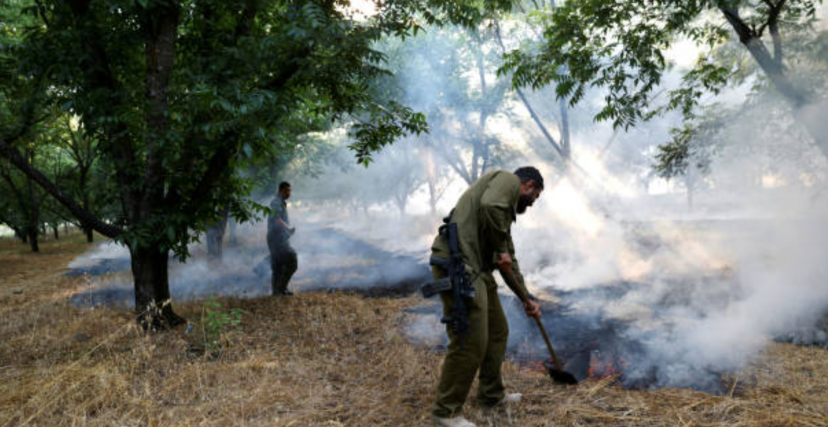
(314, 359)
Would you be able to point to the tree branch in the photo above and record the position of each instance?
(83, 215)
(16, 191)
(60, 215)
(454, 162)
(528, 106)
(773, 27)
(769, 65)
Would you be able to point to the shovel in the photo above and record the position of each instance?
(555, 368)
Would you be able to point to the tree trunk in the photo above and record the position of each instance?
(690, 191)
(86, 229)
(690, 184)
(150, 259)
(480, 151)
(401, 202)
(432, 196)
(234, 239)
(565, 146)
(33, 213)
(33, 239)
(215, 237)
(22, 236)
(152, 290)
(55, 231)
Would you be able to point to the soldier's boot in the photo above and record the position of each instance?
(453, 422)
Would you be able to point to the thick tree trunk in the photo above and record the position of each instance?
(150, 259)
(215, 237)
(33, 239)
(89, 235)
(55, 231)
(152, 290)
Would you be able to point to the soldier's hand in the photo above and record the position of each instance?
(532, 309)
(504, 263)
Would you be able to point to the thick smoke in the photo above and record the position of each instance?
(330, 258)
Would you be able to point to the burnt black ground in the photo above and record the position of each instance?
(350, 265)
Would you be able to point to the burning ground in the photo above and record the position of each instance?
(663, 303)
(329, 259)
(318, 359)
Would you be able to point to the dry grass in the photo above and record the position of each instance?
(311, 360)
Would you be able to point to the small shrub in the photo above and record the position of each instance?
(217, 323)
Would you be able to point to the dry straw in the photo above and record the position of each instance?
(314, 360)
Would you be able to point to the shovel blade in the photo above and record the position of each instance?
(562, 377)
(559, 376)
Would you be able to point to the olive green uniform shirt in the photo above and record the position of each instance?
(484, 216)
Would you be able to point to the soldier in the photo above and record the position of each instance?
(484, 215)
(283, 261)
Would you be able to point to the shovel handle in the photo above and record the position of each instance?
(549, 345)
(523, 298)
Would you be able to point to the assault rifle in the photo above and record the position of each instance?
(457, 281)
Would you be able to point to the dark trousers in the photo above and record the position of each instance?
(482, 354)
(283, 264)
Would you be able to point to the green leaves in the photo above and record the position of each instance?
(619, 45)
(383, 126)
(673, 158)
(218, 324)
(251, 80)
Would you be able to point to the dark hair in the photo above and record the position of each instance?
(528, 173)
(283, 185)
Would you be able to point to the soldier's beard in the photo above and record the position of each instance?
(524, 202)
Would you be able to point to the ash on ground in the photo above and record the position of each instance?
(329, 260)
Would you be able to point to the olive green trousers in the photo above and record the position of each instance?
(483, 350)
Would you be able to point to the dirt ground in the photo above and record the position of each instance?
(315, 359)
